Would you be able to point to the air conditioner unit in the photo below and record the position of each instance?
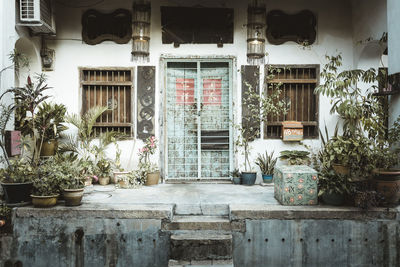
(37, 15)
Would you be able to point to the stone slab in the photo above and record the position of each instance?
(264, 211)
(197, 223)
(105, 210)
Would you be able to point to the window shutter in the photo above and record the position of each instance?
(145, 101)
(250, 80)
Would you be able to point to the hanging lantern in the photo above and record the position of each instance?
(256, 18)
(141, 30)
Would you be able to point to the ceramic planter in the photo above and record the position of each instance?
(334, 199)
(104, 180)
(387, 183)
(267, 178)
(73, 197)
(123, 184)
(249, 178)
(17, 193)
(236, 180)
(44, 201)
(49, 148)
(152, 178)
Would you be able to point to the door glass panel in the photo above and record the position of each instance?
(214, 118)
(197, 119)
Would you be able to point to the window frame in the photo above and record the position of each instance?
(82, 100)
(315, 80)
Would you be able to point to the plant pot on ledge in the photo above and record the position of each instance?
(249, 178)
(73, 197)
(152, 178)
(17, 194)
(387, 183)
(44, 201)
(49, 148)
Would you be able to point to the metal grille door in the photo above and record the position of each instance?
(198, 114)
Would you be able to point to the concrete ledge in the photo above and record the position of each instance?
(110, 211)
(260, 212)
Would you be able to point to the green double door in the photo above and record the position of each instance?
(198, 115)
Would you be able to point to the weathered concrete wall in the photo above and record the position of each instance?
(88, 237)
(317, 243)
(274, 235)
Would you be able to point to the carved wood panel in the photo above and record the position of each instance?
(145, 101)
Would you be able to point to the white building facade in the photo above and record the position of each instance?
(80, 73)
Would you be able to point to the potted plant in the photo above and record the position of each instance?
(333, 187)
(267, 164)
(387, 178)
(46, 186)
(69, 170)
(103, 171)
(259, 108)
(149, 148)
(296, 157)
(16, 181)
(236, 176)
(49, 119)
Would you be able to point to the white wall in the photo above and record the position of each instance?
(394, 52)
(335, 34)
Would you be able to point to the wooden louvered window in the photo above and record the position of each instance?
(111, 88)
(297, 83)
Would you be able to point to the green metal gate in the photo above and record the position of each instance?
(198, 115)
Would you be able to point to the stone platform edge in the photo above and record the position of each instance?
(106, 211)
(236, 212)
(279, 212)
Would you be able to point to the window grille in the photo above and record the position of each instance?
(297, 83)
(111, 88)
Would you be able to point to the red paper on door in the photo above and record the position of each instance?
(212, 91)
(184, 91)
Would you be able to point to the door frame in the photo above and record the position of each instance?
(164, 60)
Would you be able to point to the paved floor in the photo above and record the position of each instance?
(189, 198)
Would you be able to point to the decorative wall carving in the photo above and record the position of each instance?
(299, 28)
(98, 27)
(145, 101)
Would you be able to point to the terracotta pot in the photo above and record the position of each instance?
(152, 178)
(49, 148)
(44, 201)
(123, 184)
(387, 183)
(104, 180)
(116, 176)
(341, 169)
(73, 197)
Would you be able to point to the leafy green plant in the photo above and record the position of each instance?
(19, 171)
(259, 107)
(296, 157)
(330, 182)
(49, 119)
(235, 173)
(103, 168)
(266, 162)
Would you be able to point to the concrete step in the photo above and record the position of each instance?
(218, 263)
(197, 222)
(202, 209)
(200, 246)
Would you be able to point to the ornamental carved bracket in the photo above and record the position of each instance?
(98, 27)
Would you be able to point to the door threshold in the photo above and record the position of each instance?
(198, 181)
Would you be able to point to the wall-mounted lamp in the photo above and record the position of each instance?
(47, 55)
(141, 30)
(256, 22)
